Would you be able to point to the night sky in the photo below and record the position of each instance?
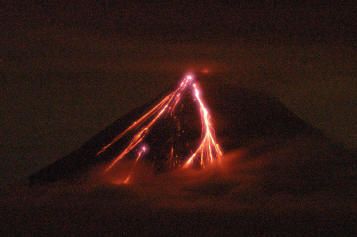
(68, 69)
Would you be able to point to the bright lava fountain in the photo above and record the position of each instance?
(208, 149)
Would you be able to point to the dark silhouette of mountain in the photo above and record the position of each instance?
(242, 117)
(279, 175)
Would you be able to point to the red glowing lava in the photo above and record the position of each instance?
(208, 149)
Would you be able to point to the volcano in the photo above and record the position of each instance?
(276, 175)
(244, 118)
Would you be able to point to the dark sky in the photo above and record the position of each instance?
(191, 20)
(69, 68)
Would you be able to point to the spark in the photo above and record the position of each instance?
(208, 149)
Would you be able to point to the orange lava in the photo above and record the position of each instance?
(208, 149)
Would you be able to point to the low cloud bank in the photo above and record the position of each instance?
(299, 186)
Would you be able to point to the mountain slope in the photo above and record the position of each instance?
(242, 117)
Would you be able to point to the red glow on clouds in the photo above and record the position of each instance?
(205, 71)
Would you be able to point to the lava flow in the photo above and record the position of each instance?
(208, 149)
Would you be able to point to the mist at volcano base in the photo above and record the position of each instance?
(288, 190)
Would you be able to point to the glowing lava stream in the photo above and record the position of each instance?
(138, 157)
(208, 149)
